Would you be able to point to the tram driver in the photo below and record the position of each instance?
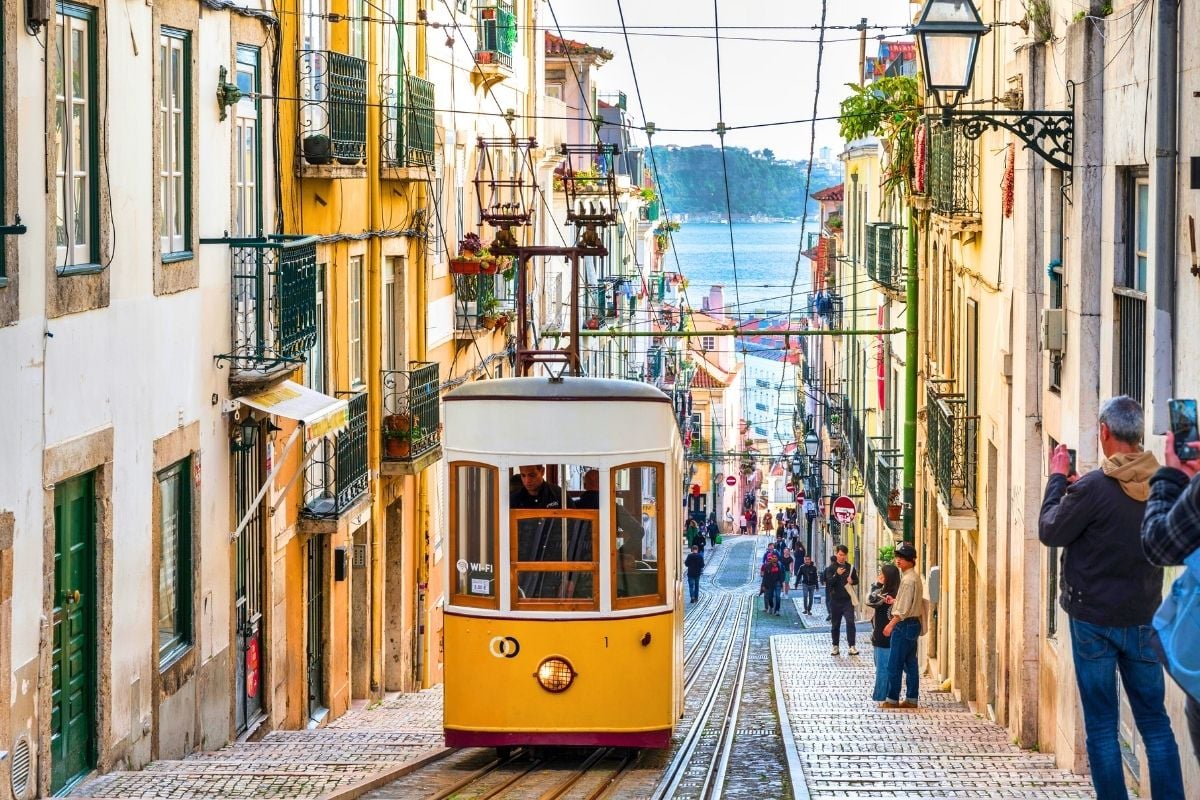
(535, 491)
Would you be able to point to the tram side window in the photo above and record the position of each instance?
(637, 534)
(475, 507)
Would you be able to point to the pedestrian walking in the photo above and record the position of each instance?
(742, 524)
(729, 522)
(1110, 592)
(839, 577)
(714, 533)
(785, 564)
(752, 520)
(694, 536)
(768, 523)
(798, 556)
(1171, 533)
(806, 578)
(772, 577)
(904, 629)
(695, 568)
(883, 594)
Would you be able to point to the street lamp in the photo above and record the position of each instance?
(812, 445)
(948, 34)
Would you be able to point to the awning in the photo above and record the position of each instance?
(320, 413)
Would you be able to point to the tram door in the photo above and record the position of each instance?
(248, 598)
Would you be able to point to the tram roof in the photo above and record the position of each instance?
(567, 389)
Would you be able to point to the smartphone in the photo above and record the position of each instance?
(1073, 471)
(1183, 425)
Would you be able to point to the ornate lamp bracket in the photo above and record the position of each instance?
(1050, 134)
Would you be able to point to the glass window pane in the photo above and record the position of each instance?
(78, 60)
(554, 538)
(566, 585)
(174, 569)
(636, 524)
(476, 503)
(1143, 216)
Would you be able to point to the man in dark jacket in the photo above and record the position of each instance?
(1171, 532)
(839, 577)
(806, 575)
(1110, 592)
(695, 568)
(773, 576)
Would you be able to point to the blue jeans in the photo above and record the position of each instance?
(902, 660)
(1099, 653)
(771, 598)
(808, 597)
(694, 587)
(881, 674)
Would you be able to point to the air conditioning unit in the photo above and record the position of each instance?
(1053, 329)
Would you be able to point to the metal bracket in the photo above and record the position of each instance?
(228, 94)
(1050, 134)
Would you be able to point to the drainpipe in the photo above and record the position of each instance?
(421, 518)
(1164, 185)
(911, 320)
(374, 364)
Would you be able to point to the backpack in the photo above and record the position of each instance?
(1177, 624)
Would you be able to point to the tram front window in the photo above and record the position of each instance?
(637, 534)
(473, 506)
(554, 556)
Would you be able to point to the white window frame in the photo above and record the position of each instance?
(314, 368)
(356, 320)
(173, 156)
(313, 24)
(75, 244)
(1139, 265)
(246, 155)
(708, 343)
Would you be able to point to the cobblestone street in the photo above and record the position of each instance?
(833, 742)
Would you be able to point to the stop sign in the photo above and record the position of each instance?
(844, 510)
(731, 481)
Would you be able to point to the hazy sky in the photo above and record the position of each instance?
(763, 81)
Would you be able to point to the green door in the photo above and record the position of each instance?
(72, 719)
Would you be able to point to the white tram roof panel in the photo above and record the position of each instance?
(567, 389)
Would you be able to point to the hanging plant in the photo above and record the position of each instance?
(891, 109)
(1007, 185)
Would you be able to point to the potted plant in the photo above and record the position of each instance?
(398, 432)
(834, 222)
(318, 149)
(593, 323)
(895, 509)
(476, 259)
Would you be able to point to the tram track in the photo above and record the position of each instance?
(534, 773)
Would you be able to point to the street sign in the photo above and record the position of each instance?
(844, 510)
(790, 488)
(731, 481)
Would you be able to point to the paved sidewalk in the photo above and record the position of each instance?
(365, 745)
(847, 747)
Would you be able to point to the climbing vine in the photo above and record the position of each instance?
(889, 108)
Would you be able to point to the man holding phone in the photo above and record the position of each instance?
(1110, 592)
(1171, 527)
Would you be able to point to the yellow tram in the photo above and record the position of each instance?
(563, 621)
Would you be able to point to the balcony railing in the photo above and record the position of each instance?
(853, 426)
(951, 448)
(885, 471)
(835, 403)
(408, 124)
(480, 298)
(337, 476)
(273, 300)
(883, 254)
(412, 422)
(333, 107)
(826, 308)
(1129, 312)
(953, 172)
(497, 34)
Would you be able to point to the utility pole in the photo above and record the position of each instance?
(862, 51)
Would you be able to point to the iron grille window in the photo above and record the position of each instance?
(333, 107)
(883, 243)
(1129, 313)
(411, 412)
(497, 34)
(337, 475)
(953, 172)
(951, 449)
(418, 121)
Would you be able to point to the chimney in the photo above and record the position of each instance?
(716, 298)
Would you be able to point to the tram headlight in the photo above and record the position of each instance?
(555, 674)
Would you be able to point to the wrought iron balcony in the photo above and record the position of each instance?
(412, 418)
(953, 172)
(835, 403)
(853, 426)
(273, 301)
(333, 107)
(951, 448)
(497, 34)
(482, 302)
(885, 472)
(1129, 313)
(884, 240)
(408, 123)
(336, 477)
(826, 309)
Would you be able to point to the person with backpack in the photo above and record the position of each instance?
(772, 578)
(1111, 592)
(695, 568)
(1171, 533)
(883, 594)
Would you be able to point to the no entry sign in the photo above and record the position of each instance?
(789, 488)
(731, 481)
(844, 510)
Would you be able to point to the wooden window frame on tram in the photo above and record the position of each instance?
(648, 600)
(561, 604)
(467, 600)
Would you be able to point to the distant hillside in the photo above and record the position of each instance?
(759, 185)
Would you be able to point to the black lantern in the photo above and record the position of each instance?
(812, 445)
(948, 33)
(245, 435)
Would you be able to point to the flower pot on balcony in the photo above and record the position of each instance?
(489, 266)
(318, 149)
(395, 447)
(895, 513)
(465, 266)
